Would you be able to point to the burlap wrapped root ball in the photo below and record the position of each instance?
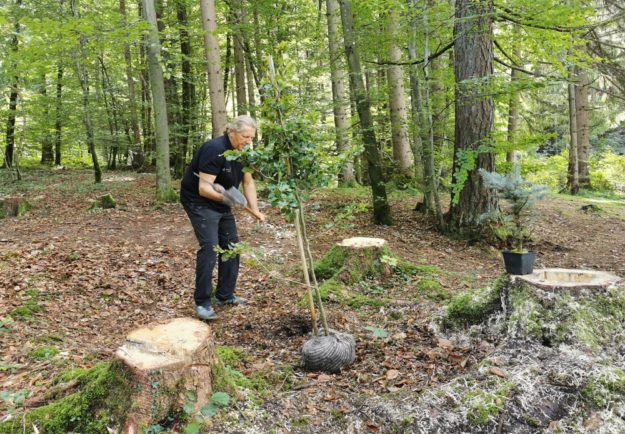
(329, 353)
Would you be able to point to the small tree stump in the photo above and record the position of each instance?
(354, 258)
(170, 362)
(13, 207)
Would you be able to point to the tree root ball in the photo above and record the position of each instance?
(329, 353)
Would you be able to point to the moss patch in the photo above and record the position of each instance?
(101, 401)
(473, 307)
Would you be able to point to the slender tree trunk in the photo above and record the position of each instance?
(47, 145)
(157, 84)
(573, 169)
(188, 108)
(339, 97)
(583, 140)
(137, 152)
(83, 77)
(13, 94)
(430, 197)
(236, 9)
(58, 121)
(416, 105)
(512, 155)
(213, 59)
(473, 30)
(114, 113)
(402, 153)
(381, 209)
(251, 98)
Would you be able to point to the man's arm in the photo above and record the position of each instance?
(206, 187)
(249, 191)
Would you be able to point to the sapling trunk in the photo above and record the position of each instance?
(304, 233)
(300, 244)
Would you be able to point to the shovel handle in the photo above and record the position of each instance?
(253, 213)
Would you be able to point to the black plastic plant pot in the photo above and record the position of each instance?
(519, 263)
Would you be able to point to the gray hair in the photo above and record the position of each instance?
(241, 122)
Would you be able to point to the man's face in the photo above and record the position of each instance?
(242, 138)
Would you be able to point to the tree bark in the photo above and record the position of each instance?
(583, 139)
(402, 154)
(188, 108)
(381, 209)
(13, 94)
(473, 61)
(137, 151)
(512, 156)
(58, 121)
(213, 59)
(47, 145)
(236, 9)
(339, 97)
(573, 168)
(161, 129)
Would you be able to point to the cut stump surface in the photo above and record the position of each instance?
(169, 361)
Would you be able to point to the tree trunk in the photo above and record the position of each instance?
(58, 121)
(381, 209)
(13, 93)
(402, 154)
(573, 169)
(236, 8)
(137, 151)
(188, 108)
(583, 140)
(213, 59)
(339, 97)
(161, 129)
(473, 61)
(512, 155)
(47, 145)
(83, 77)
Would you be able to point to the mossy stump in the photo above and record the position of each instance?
(553, 359)
(14, 207)
(105, 202)
(170, 361)
(353, 258)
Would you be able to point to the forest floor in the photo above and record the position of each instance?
(74, 282)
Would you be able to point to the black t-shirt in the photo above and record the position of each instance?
(209, 158)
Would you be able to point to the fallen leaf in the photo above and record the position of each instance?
(391, 374)
(323, 378)
(445, 344)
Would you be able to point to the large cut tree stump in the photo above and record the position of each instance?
(170, 362)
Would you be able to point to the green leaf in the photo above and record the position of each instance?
(209, 410)
(220, 398)
(188, 408)
(191, 395)
(377, 332)
(193, 428)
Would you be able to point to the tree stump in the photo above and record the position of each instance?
(170, 364)
(554, 361)
(13, 207)
(354, 260)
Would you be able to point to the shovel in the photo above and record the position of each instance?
(236, 197)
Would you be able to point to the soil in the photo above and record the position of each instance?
(96, 275)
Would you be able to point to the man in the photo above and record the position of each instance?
(203, 196)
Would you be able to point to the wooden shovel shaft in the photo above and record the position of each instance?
(255, 214)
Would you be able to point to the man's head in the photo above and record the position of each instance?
(241, 131)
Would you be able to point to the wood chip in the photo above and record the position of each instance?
(498, 372)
